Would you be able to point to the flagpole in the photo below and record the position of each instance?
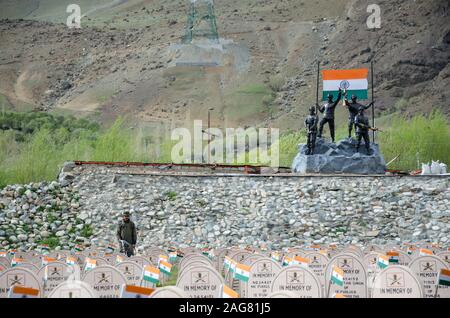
(373, 101)
(329, 287)
(437, 288)
(317, 85)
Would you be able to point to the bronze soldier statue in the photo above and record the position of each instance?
(362, 130)
(328, 110)
(311, 128)
(353, 109)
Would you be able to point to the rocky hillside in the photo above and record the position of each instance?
(120, 63)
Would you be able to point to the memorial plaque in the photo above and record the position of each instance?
(18, 276)
(445, 256)
(262, 274)
(396, 281)
(317, 263)
(5, 262)
(169, 292)
(73, 289)
(188, 257)
(132, 272)
(355, 276)
(55, 273)
(299, 280)
(201, 282)
(427, 269)
(106, 280)
(193, 263)
(111, 258)
(353, 249)
(140, 260)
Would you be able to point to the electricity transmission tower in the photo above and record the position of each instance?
(201, 22)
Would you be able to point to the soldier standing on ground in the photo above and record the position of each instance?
(328, 110)
(126, 234)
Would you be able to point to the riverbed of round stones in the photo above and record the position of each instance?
(224, 211)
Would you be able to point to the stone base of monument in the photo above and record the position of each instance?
(339, 158)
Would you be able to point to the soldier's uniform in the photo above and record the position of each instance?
(126, 231)
(311, 123)
(362, 131)
(328, 110)
(353, 110)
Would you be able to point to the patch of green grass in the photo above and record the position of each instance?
(51, 241)
(51, 217)
(171, 195)
(87, 231)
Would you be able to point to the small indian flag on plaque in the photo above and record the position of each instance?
(315, 247)
(173, 256)
(229, 293)
(46, 260)
(13, 252)
(44, 247)
(287, 261)
(131, 291)
(16, 261)
(70, 260)
(298, 260)
(425, 252)
(354, 81)
(233, 266)
(242, 272)
(165, 267)
(90, 264)
(3, 254)
(23, 292)
(78, 248)
(227, 262)
(151, 274)
(337, 276)
(163, 258)
(393, 257)
(275, 256)
(119, 259)
(444, 277)
(382, 261)
(410, 250)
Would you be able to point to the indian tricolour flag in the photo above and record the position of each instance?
(70, 260)
(173, 256)
(90, 264)
(382, 261)
(444, 277)
(337, 276)
(17, 291)
(165, 267)
(233, 266)
(229, 293)
(16, 261)
(119, 259)
(303, 262)
(425, 252)
(242, 272)
(3, 254)
(131, 291)
(46, 260)
(275, 256)
(151, 274)
(287, 261)
(393, 257)
(353, 81)
(227, 262)
(163, 258)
